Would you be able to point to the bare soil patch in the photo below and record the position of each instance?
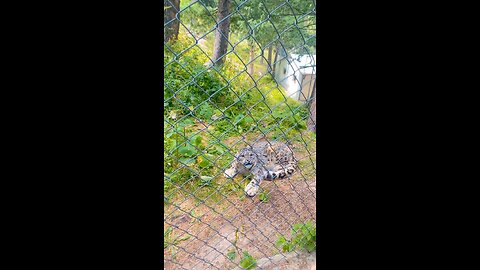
(248, 224)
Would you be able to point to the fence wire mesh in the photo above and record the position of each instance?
(237, 73)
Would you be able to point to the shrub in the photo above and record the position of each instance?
(303, 237)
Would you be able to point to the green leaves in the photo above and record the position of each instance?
(187, 151)
(197, 140)
(264, 197)
(238, 119)
(294, 27)
(232, 255)
(187, 161)
(284, 244)
(216, 149)
(166, 237)
(205, 181)
(171, 242)
(167, 183)
(204, 160)
(248, 262)
(303, 236)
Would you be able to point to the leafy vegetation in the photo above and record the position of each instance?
(264, 196)
(262, 21)
(205, 107)
(170, 242)
(303, 237)
(232, 255)
(248, 262)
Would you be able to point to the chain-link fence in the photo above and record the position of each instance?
(238, 73)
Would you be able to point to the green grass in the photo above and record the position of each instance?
(170, 242)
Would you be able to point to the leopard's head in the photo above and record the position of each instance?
(243, 162)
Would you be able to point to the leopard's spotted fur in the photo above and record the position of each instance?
(264, 160)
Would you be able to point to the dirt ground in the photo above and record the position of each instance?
(240, 225)
(289, 261)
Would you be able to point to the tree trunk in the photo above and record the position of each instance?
(269, 56)
(221, 35)
(275, 61)
(312, 119)
(252, 55)
(170, 31)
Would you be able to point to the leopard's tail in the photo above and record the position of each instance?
(283, 171)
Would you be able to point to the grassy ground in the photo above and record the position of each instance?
(304, 147)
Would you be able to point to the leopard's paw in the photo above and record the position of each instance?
(251, 189)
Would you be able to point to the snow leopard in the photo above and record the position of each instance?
(265, 161)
